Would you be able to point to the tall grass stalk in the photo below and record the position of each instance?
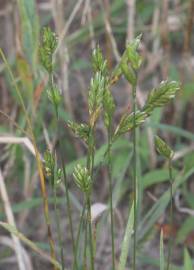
(90, 167)
(168, 153)
(89, 218)
(111, 196)
(85, 244)
(69, 212)
(171, 213)
(126, 239)
(57, 213)
(78, 234)
(134, 176)
(47, 50)
(59, 233)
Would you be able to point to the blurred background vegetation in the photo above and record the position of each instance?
(167, 49)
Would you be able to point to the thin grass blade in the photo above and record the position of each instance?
(126, 240)
(187, 261)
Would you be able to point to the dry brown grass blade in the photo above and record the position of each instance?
(18, 140)
(7, 241)
(68, 23)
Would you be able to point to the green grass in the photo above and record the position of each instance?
(79, 164)
(100, 102)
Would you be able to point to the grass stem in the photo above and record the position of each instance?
(78, 235)
(85, 245)
(171, 214)
(111, 198)
(90, 167)
(134, 176)
(89, 218)
(69, 213)
(59, 234)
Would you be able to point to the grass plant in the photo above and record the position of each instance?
(101, 105)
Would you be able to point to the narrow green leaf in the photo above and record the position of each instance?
(29, 29)
(156, 176)
(187, 260)
(126, 240)
(176, 130)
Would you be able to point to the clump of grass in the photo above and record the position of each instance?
(101, 105)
